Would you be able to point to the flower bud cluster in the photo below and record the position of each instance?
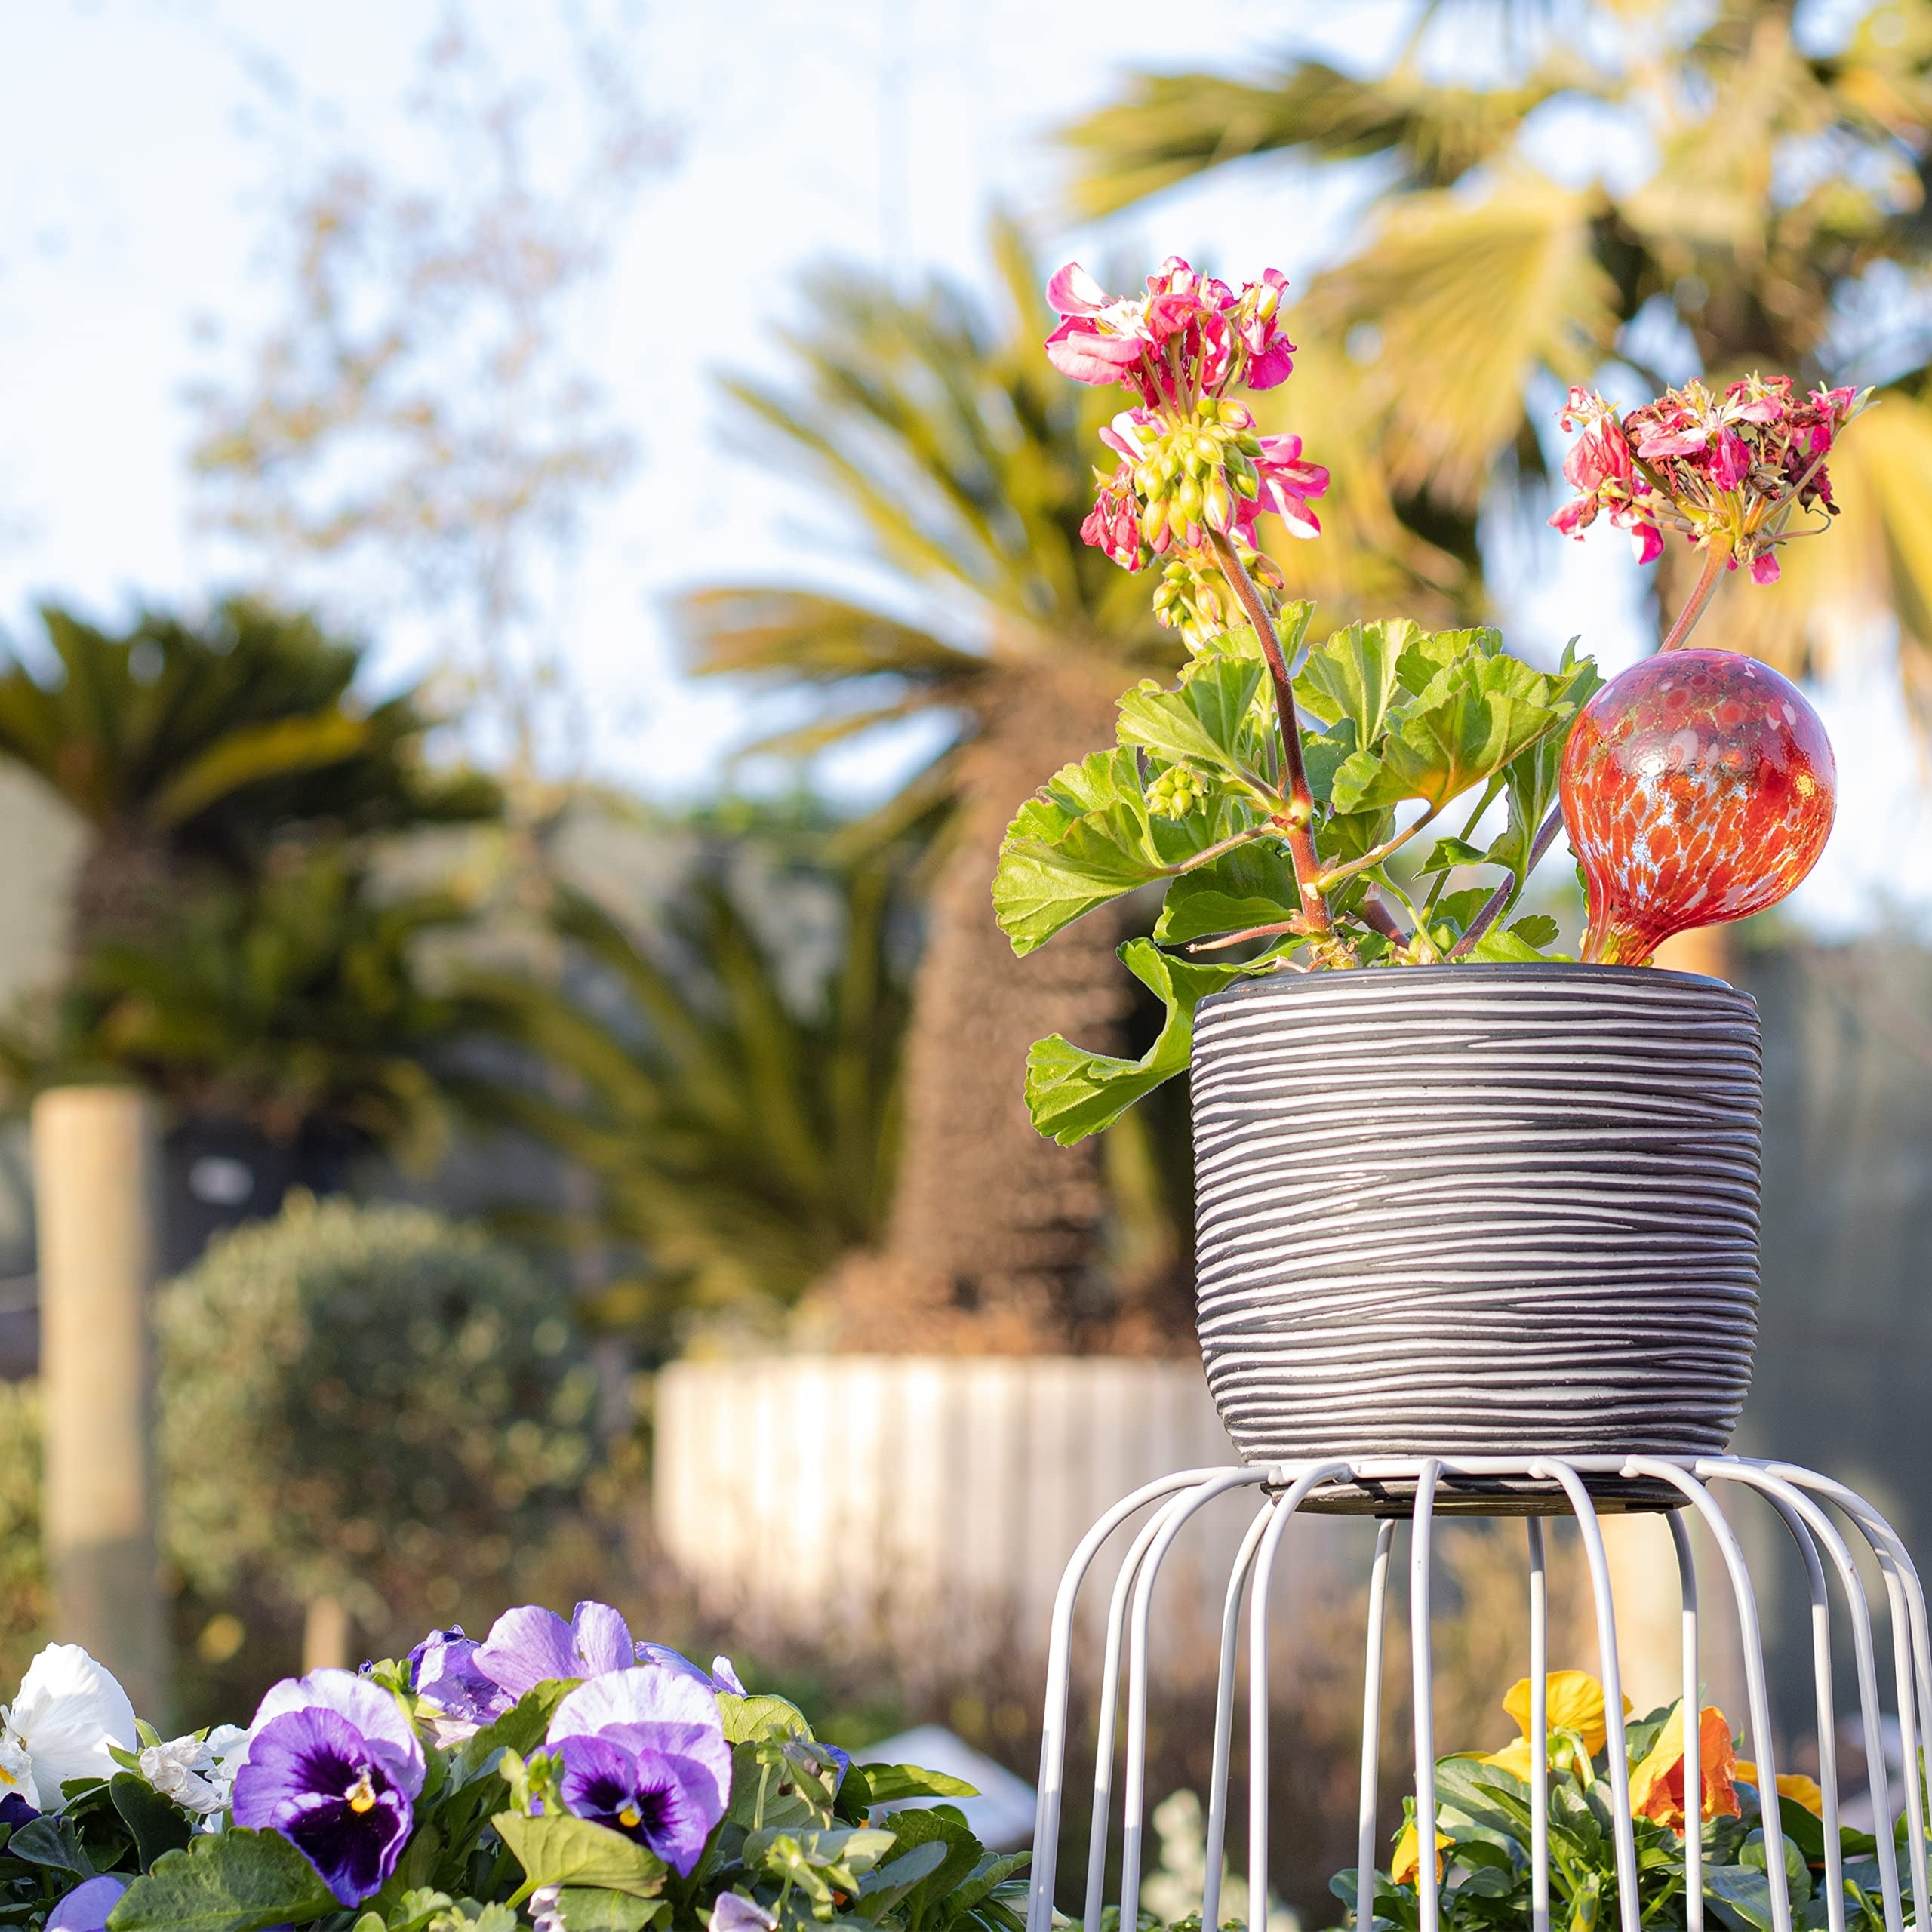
(1177, 792)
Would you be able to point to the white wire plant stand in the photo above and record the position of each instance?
(1824, 1519)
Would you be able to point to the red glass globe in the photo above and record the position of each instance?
(1698, 787)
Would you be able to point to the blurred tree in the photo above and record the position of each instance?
(1781, 224)
(738, 1125)
(295, 1003)
(191, 748)
(417, 432)
(941, 432)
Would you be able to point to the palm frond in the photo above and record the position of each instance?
(1470, 299)
(1169, 128)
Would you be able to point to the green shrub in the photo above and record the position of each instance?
(370, 1404)
(23, 1591)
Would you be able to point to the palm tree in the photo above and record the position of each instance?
(964, 461)
(295, 1005)
(194, 748)
(1783, 227)
(737, 1127)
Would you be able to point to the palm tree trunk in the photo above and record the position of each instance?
(993, 1243)
(123, 890)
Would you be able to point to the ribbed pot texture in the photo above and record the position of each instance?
(1500, 1209)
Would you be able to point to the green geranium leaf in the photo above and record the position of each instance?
(1206, 722)
(891, 1781)
(1447, 853)
(1511, 946)
(1425, 655)
(1351, 677)
(1531, 778)
(1085, 839)
(563, 1850)
(1253, 885)
(235, 1881)
(156, 1824)
(593, 1909)
(1476, 715)
(1072, 1093)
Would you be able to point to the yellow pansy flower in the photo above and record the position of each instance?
(1800, 1790)
(1405, 1868)
(1574, 1702)
(1514, 1757)
(1656, 1784)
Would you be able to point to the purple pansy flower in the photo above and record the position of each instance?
(734, 1912)
(528, 1647)
(15, 1811)
(723, 1678)
(644, 1754)
(86, 1907)
(332, 1762)
(443, 1670)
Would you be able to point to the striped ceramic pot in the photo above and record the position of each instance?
(1478, 1208)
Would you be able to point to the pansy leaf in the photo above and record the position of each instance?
(1512, 946)
(1072, 1093)
(235, 1880)
(753, 1720)
(154, 1824)
(52, 1841)
(1253, 885)
(520, 1729)
(889, 1783)
(963, 1853)
(880, 1889)
(560, 1849)
(596, 1909)
(1744, 1892)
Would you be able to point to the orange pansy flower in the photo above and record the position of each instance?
(1656, 1784)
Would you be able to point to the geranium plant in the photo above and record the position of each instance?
(1482, 1830)
(557, 1775)
(1265, 793)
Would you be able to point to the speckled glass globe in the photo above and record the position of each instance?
(1698, 787)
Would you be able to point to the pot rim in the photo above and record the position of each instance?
(1574, 975)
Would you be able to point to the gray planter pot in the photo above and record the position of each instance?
(1478, 1209)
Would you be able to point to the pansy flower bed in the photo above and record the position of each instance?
(555, 1775)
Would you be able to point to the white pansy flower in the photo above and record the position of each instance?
(15, 1769)
(184, 1769)
(69, 1712)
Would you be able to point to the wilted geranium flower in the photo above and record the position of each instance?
(333, 1763)
(644, 1753)
(1726, 471)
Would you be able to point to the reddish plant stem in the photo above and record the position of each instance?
(1717, 560)
(1295, 822)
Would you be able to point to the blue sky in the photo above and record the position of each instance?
(139, 156)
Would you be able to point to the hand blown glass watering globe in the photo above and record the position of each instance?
(1479, 1235)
